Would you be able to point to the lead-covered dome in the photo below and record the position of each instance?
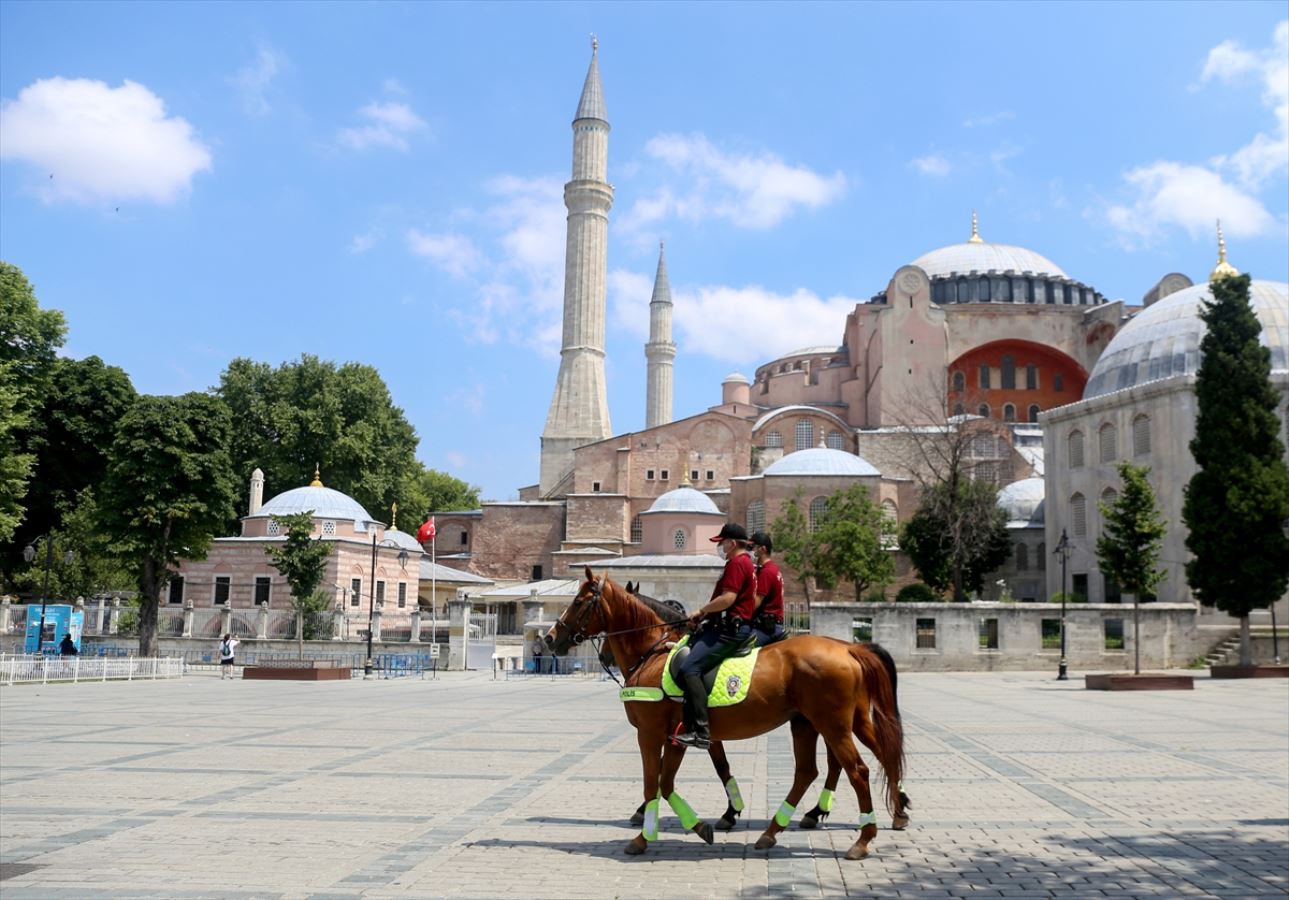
(821, 461)
(972, 256)
(1023, 501)
(685, 500)
(1163, 339)
(403, 540)
(322, 502)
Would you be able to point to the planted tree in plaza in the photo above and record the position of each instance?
(168, 491)
(794, 543)
(1129, 544)
(957, 535)
(850, 542)
(1238, 500)
(302, 561)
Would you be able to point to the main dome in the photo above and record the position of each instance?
(1163, 339)
(821, 461)
(685, 500)
(971, 256)
(322, 502)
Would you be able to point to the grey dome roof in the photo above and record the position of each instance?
(1163, 339)
(403, 540)
(821, 461)
(323, 502)
(1023, 501)
(685, 500)
(960, 259)
(736, 378)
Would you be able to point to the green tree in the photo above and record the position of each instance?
(302, 561)
(425, 491)
(168, 490)
(957, 535)
(849, 542)
(15, 466)
(793, 542)
(1238, 499)
(1128, 548)
(93, 569)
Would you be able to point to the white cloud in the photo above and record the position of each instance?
(253, 80)
(361, 243)
(750, 191)
(91, 142)
(393, 86)
(389, 124)
(932, 164)
(751, 324)
(1002, 115)
(452, 253)
(1267, 154)
(1189, 197)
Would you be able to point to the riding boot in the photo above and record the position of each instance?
(696, 694)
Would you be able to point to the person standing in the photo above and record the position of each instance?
(67, 647)
(227, 651)
(725, 622)
(767, 622)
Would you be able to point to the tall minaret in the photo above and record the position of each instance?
(660, 351)
(256, 499)
(579, 410)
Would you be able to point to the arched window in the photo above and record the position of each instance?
(983, 410)
(818, 507)
(1074, 449)
(678, 539)
(1009, 412)
(805, 434)
(959, 381)
(755, 516)
(637, 530)
(1031, 377)
(1022, 557)
(1108, 439)
(1009, 374)
(773, 439)
(1109, 496)
(1033, 412)
(958, 410)
(1058, 383)
(983, 288)
(836, 440)
(1141, 436)
(1079, 513)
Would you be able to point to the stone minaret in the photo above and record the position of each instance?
(579, 410)
(660, 351)
(257, 492)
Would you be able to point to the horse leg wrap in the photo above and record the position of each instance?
(825, 800)
(732, 791)
(688, 817)
(867, 818)
(650, 829)
(784, 815)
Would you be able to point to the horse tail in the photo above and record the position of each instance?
(879, 677)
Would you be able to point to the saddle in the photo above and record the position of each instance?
(726, 685)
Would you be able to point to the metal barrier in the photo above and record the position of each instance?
(45, 669)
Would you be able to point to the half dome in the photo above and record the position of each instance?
(322, 502)
(685, 500)
(1023, 501)
(970, 256)
(821, 461)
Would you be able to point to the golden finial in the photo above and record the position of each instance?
(1223, 269)
(317, 477)
(393, 516)
(975, 231)
(685, 482)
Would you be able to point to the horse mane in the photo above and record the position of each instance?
(665, 612)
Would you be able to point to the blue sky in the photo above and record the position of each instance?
(383, 183)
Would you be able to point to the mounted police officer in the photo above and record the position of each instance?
(725, 624)
(767, 622)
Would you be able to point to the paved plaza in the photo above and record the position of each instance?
(468, 787)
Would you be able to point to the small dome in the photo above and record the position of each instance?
(821, 461)
(685, 500)
(960, 259)
(323, 502)
(1023, 501)
(1163, 339)
(736, 378)
(403, 540)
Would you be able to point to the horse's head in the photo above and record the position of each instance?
(585, 617)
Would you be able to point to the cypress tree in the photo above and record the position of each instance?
(1238, 500)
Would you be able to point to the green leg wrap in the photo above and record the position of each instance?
(732, 791)
(867, 818)
(825, 800)
(650, 830)
(688, 817)
(784, 815)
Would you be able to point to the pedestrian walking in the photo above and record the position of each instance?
(227, 651)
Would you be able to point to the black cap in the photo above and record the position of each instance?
(731, 530)
(762, 539)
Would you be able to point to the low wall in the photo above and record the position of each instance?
(958, 632)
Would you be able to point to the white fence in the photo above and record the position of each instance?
(44, 669)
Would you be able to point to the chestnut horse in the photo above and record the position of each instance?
(820, 686)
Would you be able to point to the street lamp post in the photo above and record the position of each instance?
(371, 610)
(1063, 550)
(28, 554)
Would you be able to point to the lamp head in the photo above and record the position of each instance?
(28, 553)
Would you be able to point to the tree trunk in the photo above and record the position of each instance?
(1136, 634)
(1246, 644)
(299, 633)
(151, 586)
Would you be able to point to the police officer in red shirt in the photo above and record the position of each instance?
(726, 622)
(767, 622)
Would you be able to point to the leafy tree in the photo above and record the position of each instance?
(957, 535)
(93, 568)
(302, 560)
(1238, 499)
(425, 491)
(1128, 548)
(793, 542)
(849, 543)
(168, 490)
(917, 592)
(15, 467)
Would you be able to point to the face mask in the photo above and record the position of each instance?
(720, 551)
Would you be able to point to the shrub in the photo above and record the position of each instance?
(917, 593)
(1070, 598)
(876, 596)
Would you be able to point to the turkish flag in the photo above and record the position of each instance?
(426, 532)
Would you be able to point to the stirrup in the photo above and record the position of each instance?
(694, 739)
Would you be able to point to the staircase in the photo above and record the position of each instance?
(1218, 655)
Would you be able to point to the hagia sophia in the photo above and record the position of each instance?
(1055, 384)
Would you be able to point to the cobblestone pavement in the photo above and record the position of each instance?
(468, 787)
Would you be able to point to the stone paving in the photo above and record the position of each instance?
(468, 787)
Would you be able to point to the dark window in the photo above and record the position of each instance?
(988, 634)
(1033, 412)
(1113, 594)
(1058, 383)
(958, 410)
(262, 590)
(984, 377)
(176, 590)
(380, 593)
(355, 591)
(649, 473)
(925, 634)
(1022, 558)
(959, 381)
(983, 411)
(465, 537)
(595, 487)
(1031, 377)
(1009, 374)
(1114, 634)
(1050, 634)
(402, 594)
(222, 584)
(1009, 412)
(664, 475)
(1080, 588)
(637, 530)
(693, 475)
(983, 289)
(537, 573)
(711, 475)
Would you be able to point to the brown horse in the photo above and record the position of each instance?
(821, 686)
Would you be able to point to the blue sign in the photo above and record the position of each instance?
(60, 619)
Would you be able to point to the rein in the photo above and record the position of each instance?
(578, 632)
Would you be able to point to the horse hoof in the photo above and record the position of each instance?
(704, 831)
(859, 851)
(809, 822)
(724, 824)
(899, 823)
(765, 842)
(636, 847)
(637, 819)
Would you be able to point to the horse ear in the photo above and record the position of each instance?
(589, 576)
(630, 589)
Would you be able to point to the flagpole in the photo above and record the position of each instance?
(434, 590)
